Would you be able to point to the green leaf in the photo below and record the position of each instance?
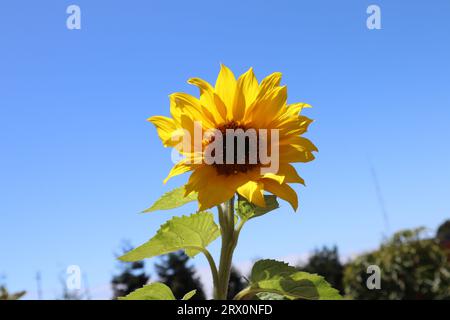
(155, 291)
(270, 296)
(247, 210)
(172, 199)
(189, 295)
(152, 291)
(190, 233)
(278, 278)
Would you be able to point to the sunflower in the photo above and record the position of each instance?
(237, 104)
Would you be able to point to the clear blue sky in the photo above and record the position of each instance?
(79, 161)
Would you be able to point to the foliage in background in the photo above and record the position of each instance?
(412, 267)
(5, 295)
(175, 272)
(69, 294)
(131, 277)
(237, 283)
(326, 263)
(443, 234)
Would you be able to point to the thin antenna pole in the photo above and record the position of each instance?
(39, 285)
(87, 292)
(380, 199)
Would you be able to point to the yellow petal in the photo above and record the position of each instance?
(292, 126)
(181, 167)
(253, 191)
(166, 129)
(225, 88)
(193, 131)
(290, 174)
(283, 191)
(270, 82)
(295, 108)
(206, 91)
(220, 107)
(299, 142)
(289, 114)
(265, 108)
(286, 174)
(213, 188)
(295, 153)
(275, 177)
(207, 99)
(183, 103)
(246, 90)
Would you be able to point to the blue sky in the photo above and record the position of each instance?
(79, 161)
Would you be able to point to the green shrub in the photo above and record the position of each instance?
(412, 267)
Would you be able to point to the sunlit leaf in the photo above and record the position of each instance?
(189, 295)
(172, 199)
(152, 291)
(189, 233)
(280, 279)
(270, 296)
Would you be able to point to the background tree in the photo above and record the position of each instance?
(443, 236)
(132, 275)
(237, 283)
(174, 271)
(412, 267)
(326, 263)
(443, 233)
(5, 295)
(69, 294)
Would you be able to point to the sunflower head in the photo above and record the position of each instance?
(239, 136)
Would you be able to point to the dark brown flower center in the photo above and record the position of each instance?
(240, 149)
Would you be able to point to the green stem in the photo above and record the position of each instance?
(213, 267)
(229, 241)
